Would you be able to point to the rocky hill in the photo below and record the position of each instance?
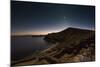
(71, 45)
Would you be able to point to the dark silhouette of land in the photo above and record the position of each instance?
(27, 35)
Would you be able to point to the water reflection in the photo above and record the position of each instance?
(24, 46)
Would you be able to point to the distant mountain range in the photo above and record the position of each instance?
(71, 45)
(27, 35)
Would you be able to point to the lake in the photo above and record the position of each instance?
(25, 46)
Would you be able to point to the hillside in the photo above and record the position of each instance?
(71, 45)
(69, 34)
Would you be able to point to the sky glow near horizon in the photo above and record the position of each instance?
(32, 18)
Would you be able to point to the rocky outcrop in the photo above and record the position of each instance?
(72, 45)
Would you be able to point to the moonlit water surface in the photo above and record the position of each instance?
(24, 46)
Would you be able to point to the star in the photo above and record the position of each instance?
(64, 17)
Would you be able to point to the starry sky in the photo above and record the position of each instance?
(34, 18)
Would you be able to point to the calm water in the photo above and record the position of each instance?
(24, 46)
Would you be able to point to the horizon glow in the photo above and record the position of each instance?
(33, 18)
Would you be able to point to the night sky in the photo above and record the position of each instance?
(31, 18)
